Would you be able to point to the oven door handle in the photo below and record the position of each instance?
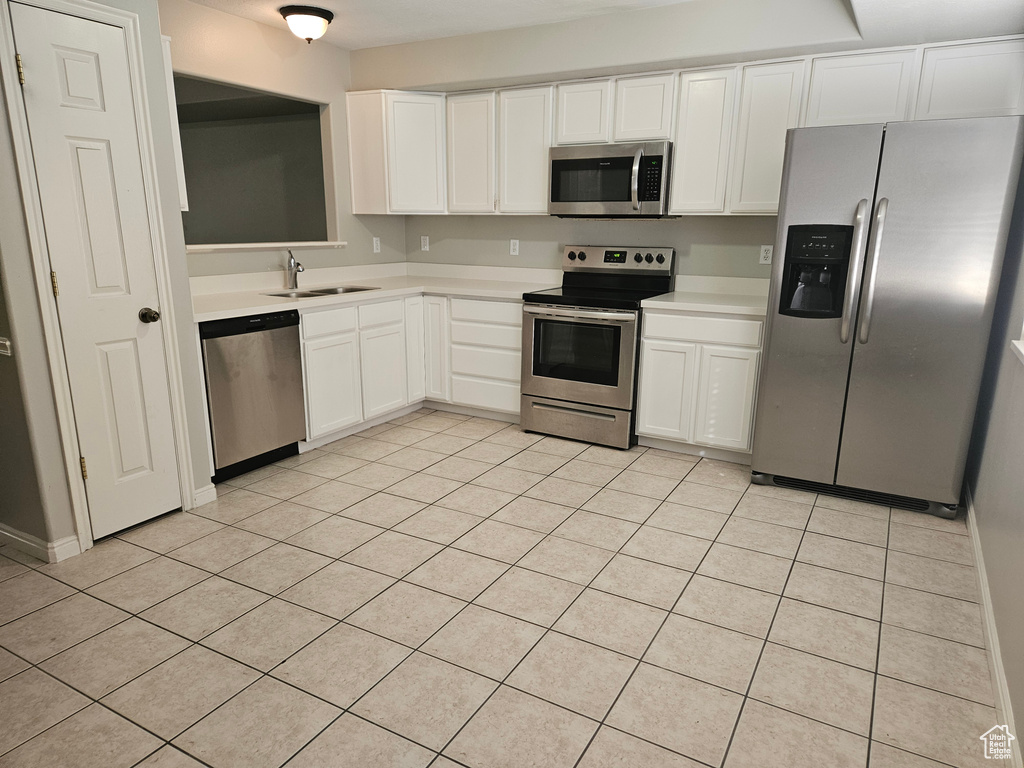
(634, 184)
(618, 317)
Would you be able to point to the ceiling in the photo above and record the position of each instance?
(372, 23)
(361, 24)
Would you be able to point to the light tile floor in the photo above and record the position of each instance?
(445, 591)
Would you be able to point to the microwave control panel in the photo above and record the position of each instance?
(650, 178)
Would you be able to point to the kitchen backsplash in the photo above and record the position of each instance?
(705, 245)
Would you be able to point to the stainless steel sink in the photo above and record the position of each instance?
(342, 289)
(295, 294)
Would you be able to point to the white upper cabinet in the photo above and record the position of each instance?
(583, 113)
(416, 152)
(471, 139)
(859, 88)
(643, 107)
(700, 154)
(976, 80)
(396, 152)
(769, 106)
(524, 137)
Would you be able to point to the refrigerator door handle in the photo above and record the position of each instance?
(860, 233)
(864, 327)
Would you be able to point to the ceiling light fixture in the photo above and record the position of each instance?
(307, 22)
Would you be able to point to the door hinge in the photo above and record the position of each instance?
(53, 282)
(85, 472)
(21, 69)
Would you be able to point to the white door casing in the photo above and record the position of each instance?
(81, 114)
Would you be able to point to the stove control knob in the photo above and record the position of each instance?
(660, 258)
(648, 258)
(572, 255)
(583, 256)
(637, 258)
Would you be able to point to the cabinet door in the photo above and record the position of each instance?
(978, 80)
(859, 88)
(331, 368)
(414, 359)
(725, 396)
(700, 157)
(435, 334)
(415, 152)
(643, 107)
(471, 153)
(583, 114)
(668, 384)
(769, 106)
(523, 143)
(382, 353)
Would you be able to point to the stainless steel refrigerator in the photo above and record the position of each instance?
(888, 256)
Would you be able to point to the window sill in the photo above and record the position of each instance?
(1018, 349)
(301, 245)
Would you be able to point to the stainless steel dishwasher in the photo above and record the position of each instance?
(254, 386)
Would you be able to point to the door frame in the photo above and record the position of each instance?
(129, 22)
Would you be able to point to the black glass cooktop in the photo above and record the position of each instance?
(572, 296)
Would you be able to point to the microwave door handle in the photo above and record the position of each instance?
(864, 327)
(860, 231)
(634, 185)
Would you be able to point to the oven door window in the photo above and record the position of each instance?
(592, 180)
(576, 351)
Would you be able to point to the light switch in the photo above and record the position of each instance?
(5, 346)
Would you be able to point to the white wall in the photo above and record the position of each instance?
(688, 33)
(213, 45)
(705, 245)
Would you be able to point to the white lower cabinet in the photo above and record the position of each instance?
(725, 396)
(698, 379)
(667, 389)
(486, 348)
(330, 368)
(383, 358)
(437, 375)
(414, 353)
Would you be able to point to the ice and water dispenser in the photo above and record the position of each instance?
(814, 272)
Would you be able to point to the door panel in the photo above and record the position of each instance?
(668, 386)
(79, 102)
(725, 397)
(914, 384)
(828, 171)
(382, 358)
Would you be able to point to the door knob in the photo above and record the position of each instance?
(148, 315)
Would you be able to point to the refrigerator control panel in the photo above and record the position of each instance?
(815, 270)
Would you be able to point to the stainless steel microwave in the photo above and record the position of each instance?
(610, 180)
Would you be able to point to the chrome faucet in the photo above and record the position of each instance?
(293, 272)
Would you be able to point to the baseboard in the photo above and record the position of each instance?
(700, 451)
(204, 495)
(1004, 707)
(47, 551)
(468, 410)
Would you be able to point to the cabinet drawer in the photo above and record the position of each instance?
(315, 324)
(504, 336)
(504, 312)
(486, 393)
(717, 330)
(385, 313)
(489, 363)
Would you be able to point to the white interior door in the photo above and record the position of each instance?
(85, 143)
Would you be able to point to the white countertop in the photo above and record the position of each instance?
(226, 304)
(210, 300)
(724, 295)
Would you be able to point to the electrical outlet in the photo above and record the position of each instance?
(513, 247)
(765, 257)
(424, 243)
(376, 245)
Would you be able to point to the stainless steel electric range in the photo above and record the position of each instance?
(581, 343)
